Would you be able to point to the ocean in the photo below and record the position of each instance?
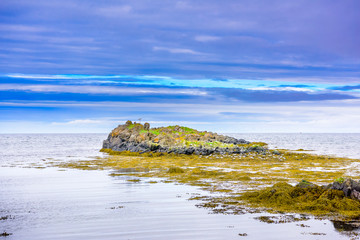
(334, 144)
(53, 203)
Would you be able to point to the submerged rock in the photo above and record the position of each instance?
(135, 137)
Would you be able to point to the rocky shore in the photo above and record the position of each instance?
(136, 137)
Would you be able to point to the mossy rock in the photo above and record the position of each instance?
(136, 137)
(305, 197)
(176, 170)
(305, 184)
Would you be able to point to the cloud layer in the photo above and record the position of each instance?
(95, 103)
(231, 39)
(246, 66)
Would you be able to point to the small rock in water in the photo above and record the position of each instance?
(5, 234)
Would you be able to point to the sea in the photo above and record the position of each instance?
(54, 203)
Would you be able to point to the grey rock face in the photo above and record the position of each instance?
(350, 187)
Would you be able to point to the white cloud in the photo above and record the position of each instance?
(84, 121)
(206, 38)
(22, 28)
(115, 11)
(79, 122)
(98, 89)
(297, 89)
(176, 50)
(326, 116)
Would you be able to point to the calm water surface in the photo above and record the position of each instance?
(336, 144)
(73, 204)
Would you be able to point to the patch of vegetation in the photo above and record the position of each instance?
(313, 200)
(242, 178)
(134, 180)
(153, 131)
(135, 125)
(174, 137)
(189, 130)
(176, 170)
(340, 180)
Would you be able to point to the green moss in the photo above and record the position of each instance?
(340, 180)
(254, 144)
(305, 184)
(153, 131)
(134, 180)
(219, 144)
(189, 130)
(267, 219)
(313, 200)
(239, 172)
(176, 170)
(124, 153)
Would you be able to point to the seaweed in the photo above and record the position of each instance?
(244, 178)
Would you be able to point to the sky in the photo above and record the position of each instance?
(76, 66)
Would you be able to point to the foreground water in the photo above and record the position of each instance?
(73, 204)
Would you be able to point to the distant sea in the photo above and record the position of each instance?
(335, 144)
(67, 204)
(36, 147)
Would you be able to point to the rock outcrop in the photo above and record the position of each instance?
(136, 137)
(350, 187)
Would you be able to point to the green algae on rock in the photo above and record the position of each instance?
(136, 137)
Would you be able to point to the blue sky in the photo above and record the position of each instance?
(229, 66)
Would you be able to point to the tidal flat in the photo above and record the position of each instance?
(245, 181)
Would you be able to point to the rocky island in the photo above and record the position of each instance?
(140, 138)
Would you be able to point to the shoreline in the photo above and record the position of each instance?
(231, 174)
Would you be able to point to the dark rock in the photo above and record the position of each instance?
(5, 234)
(350, 187)
(346, 225)
(146, 126)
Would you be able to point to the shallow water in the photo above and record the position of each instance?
(74, 204)
(336, 144)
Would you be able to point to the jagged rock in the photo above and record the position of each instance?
(350, 187)
(136, 137)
